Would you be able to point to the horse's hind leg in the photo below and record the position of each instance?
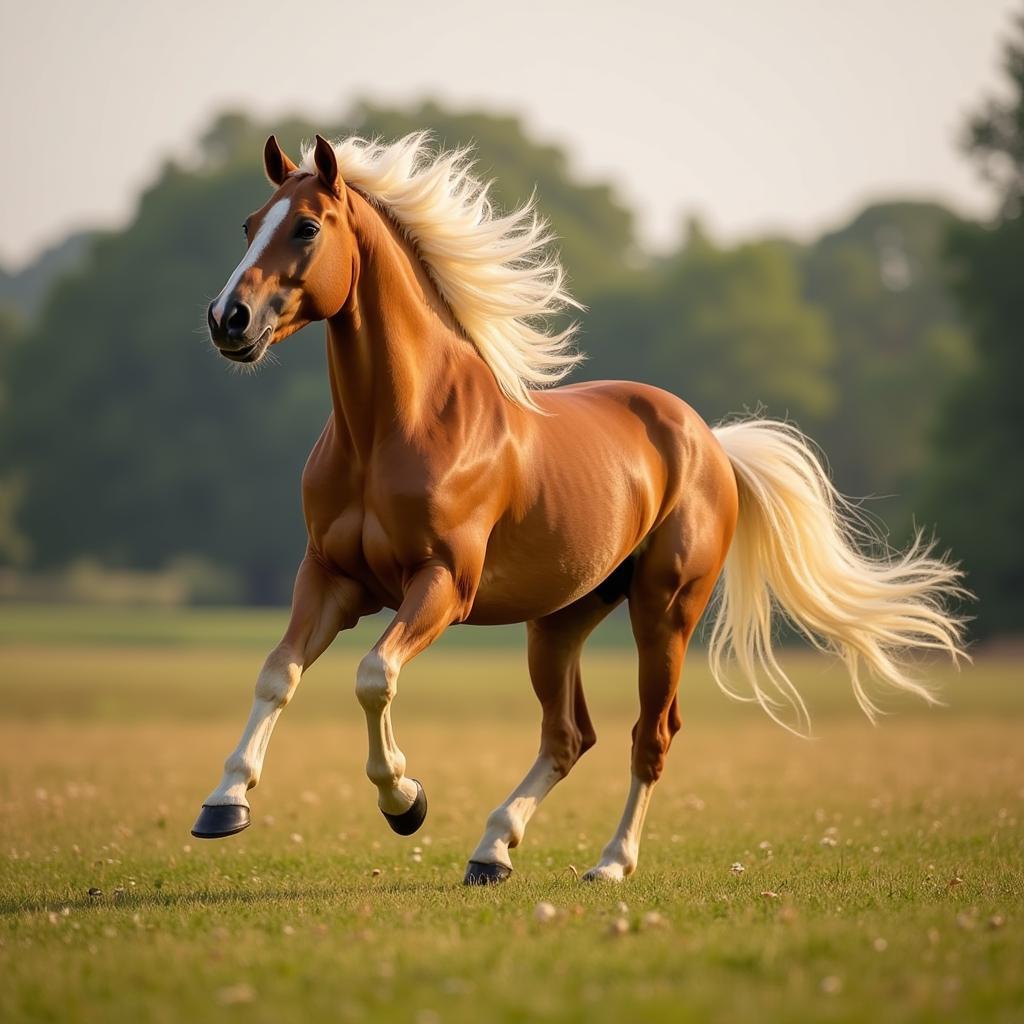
(669, 592)
(555, 643)
(322, 605)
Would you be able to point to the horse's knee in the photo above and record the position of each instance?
(375, 682)
(279, 676)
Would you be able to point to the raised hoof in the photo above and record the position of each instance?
(409, 821)
(478, 873)
(221, 820)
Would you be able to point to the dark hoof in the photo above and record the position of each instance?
(478, 873)
(409, 821)
(221, 820)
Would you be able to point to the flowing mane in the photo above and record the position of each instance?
(495, 270)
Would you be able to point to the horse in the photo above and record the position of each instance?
(455, 483)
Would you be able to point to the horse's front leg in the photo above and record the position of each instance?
(322, 605)
(430, 605)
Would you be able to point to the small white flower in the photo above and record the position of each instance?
(737, 868)
(544, 912)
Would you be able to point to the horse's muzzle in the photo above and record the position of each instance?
(233, 334)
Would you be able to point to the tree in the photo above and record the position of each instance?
(976, 485)
(900, 344)
(14, 548)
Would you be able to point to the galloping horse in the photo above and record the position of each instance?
(450, 486)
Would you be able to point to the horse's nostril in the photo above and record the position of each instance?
(238, 319)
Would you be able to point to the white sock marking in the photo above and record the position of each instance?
(507, 823)
(274, 688)
(376, 686)
(618, 859)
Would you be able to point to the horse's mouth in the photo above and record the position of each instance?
(251, 353)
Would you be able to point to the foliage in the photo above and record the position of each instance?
(25, 290)
(14, 546)
(976, 480)
(994, 134)
(899, 346)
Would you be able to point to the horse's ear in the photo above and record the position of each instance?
(276, 162)
(327, 165)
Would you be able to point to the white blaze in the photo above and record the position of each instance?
(270, 224)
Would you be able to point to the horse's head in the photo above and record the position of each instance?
(298, 264)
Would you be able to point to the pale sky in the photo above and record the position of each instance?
(755, 114)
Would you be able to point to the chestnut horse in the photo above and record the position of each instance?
(450, 486)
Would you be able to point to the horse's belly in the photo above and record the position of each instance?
(556, 555)
(501, 599)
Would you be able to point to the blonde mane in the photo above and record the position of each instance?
(495, 270)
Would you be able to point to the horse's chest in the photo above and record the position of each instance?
(375, 543)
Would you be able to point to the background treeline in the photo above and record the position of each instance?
(126, 443)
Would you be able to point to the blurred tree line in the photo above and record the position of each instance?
(125, 439)
(975, 476)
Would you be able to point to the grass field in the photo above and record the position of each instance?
(882, 875)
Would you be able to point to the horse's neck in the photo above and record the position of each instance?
(394, 350)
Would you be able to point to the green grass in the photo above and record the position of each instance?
(114, 725)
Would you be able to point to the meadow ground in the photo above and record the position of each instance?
(882, 868)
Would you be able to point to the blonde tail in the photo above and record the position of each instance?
(799, 549)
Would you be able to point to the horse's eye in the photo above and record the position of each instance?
(245, 230)
(307, 230)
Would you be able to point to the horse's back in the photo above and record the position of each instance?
(644, 420)
(640, 399)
